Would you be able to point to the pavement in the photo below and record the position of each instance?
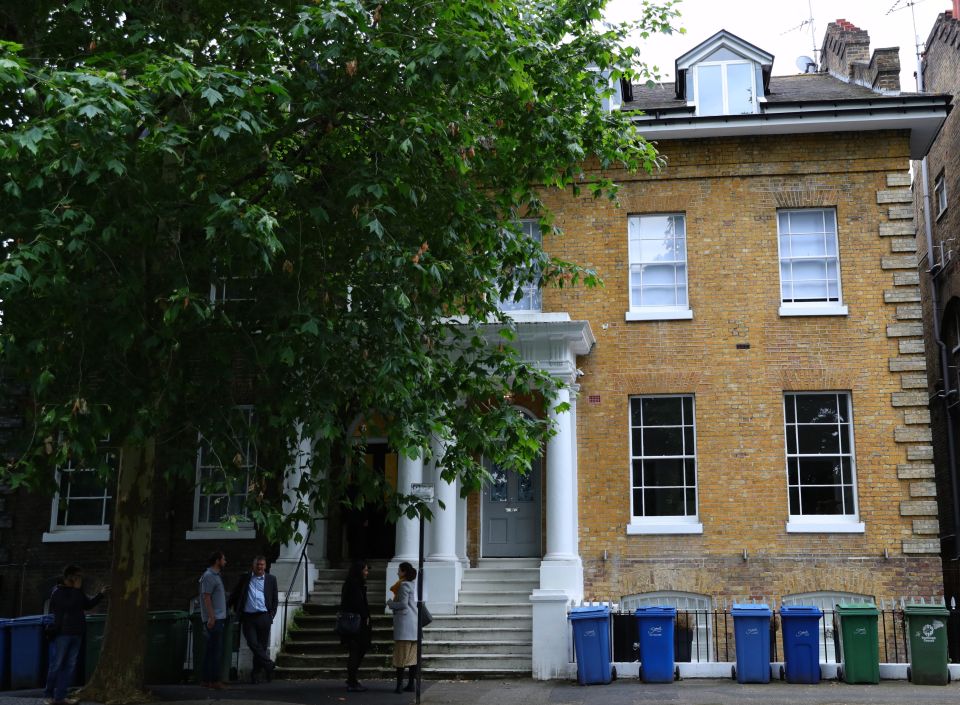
(529, 692)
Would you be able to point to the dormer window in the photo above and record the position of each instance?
(724, 76)
(725, 86)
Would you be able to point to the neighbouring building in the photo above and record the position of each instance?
(936, 200)
(748, 407)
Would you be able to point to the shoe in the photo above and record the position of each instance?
(71, 701)
(48, 701)
(356, 688)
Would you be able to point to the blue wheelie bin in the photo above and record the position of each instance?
(4, 654)
(28, 651)
(751, 627)
(655, 626)
(800, 626)
(591, 643)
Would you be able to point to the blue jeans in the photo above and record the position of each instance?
(213, 655)
(63, 666)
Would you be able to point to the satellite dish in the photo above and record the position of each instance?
(806, 64)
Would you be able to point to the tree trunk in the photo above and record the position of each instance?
(118, 677)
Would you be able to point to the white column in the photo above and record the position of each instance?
(407, 545)
(292, 573)
(561, 568)
(559, 483)
(410, 471)
(462, 529)
(575, 484)
(443, 528)
(443, 570)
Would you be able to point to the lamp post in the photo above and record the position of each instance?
(424, 492)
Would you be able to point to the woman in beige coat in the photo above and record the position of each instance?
(404, 606)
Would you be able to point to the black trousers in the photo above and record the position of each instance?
(256, 630)
(357, 645)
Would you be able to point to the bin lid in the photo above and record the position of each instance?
(170, 615)
(656, 611)
(750, 610)
(855, 608)
(926, 610)
(800, 611)
(599, 612)
(31, 620)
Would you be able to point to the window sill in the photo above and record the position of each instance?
(826, 526)
(76, 535)
(660, 314)
(679, 527)
(813, 310)
(220, 534)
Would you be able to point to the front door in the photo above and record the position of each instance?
(510, 515)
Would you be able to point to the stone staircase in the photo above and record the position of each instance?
(312, 650)
(489, 637)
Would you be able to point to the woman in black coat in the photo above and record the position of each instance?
(353, 598)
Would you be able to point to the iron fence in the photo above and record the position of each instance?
(708, 635)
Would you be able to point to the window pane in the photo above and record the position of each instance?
(740, 98)
(662, 411)
(816, 471)
(663, 472)
(709, 90)
(662, 441)
(638, 503)
(637, 441)
(793, 471)
(691, 471)
(809, 268)
(85, 512)
(795, 501)
(817, 408)
(807, 221)
(822, 500)
(525, 488)
(638, 473)
(498, 487)
(659, 296)
(635, 407)
(663, 502)
(817, 440)
(808, 246)
(659, 274)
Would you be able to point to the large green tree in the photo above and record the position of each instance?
(209, 202)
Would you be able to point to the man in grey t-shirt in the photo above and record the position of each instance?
(213, 612)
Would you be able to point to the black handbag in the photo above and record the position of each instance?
(425, 616)
(347, 624)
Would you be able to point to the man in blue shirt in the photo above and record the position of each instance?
(213, 612)
(255, 601)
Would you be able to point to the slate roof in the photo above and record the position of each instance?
(800, 88)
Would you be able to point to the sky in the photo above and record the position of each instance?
(775, 26)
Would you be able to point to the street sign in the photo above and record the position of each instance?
(422, 491)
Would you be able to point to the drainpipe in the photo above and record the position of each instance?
(933, 270)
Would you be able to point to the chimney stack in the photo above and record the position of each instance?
(845, 54)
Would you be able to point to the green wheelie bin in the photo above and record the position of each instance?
(858, 643)
(166, 646)
(231, 643)
(927, 626)
(96, 624)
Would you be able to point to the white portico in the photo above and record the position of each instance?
(510, 509)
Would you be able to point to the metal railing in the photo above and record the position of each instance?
(709, 635)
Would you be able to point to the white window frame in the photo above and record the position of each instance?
(810, 308)
(646, 312)
(677, 524)
(823, 523)
(940, 194)
(723, 85)
(682, 602)
(532, 301)
(207, 530)
(68, 533)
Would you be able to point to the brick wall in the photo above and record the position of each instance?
(730, 190)
(176, 564)
(941, 71)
